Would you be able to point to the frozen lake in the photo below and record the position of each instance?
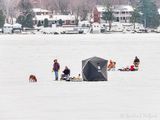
(126, 96)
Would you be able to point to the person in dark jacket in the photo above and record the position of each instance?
(56, 67)
(66, 74)
(66, 71)
(136, 62)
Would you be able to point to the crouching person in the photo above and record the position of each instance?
(66, 74)
(32, 78)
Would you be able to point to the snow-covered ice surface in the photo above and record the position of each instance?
(126, 96)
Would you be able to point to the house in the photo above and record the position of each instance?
(122, 13)
(67, 20)
(42, 14)
(98, 13)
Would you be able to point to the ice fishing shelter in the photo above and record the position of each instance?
(94, 69)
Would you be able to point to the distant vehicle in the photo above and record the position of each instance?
(95, 28)
(84, 24)
(84, 27)
(7, 29)
(17, 28)
(72, 31)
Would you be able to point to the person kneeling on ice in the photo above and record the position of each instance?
(111, 66)
(32, 78)
(66, 74)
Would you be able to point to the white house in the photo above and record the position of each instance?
(66, 19)
(122, 13)
(42, 14)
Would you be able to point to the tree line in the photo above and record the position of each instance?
(145, 11)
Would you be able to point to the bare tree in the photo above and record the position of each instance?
(7, 7)
(82, 8)
(85, 8)
(60, 6)
(1, 4)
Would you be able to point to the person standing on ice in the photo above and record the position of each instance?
(56, 67)
(136, 61)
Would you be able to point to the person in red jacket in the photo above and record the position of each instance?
(56, 68)
(132, 68)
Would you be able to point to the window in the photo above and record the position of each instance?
(72, 22)
(117, 19)
(64, 22)
(38, 13)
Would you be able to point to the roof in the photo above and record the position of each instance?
(42, 17)
(95, 58)
(63, 17)
(128, 8)
(7, 25)
(123, 8)
(101, 8)
(17, 25)
(40, 10)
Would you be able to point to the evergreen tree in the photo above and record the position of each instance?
(46, 22)
(21, 20)
(136, 17)
(150, 15)
(26, 19)
(2, 19)
(60, 22)
(29, 21)
(108, 14)
(39, 24)
(108, 17)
